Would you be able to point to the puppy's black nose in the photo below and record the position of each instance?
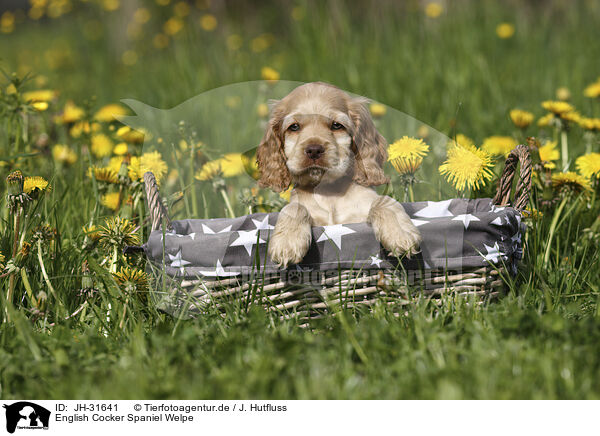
(314, 151)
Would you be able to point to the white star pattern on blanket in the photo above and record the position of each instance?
(435, 209)
(466, 219)
(168, 233)
(178, 262)
(493, 253)
(180, 235)
(219, 272)
(335, 233)
(497, 221)
(248, 239)
(418, 223)
(207, 230)
(264, 224)
(375, 260)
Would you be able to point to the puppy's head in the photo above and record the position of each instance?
(318, 134)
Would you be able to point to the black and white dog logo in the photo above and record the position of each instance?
(26, 415)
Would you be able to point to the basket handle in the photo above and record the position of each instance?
(158, 212)
(519, 155)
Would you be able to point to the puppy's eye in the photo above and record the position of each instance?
(336, 126)
(294, 127)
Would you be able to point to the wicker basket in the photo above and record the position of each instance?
(314, 294)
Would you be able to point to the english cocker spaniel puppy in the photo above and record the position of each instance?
(324, 142)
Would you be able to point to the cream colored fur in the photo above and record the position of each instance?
(336, 187)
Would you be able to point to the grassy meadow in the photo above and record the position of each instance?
(77, 321)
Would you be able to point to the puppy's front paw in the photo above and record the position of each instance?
(292, 235)
(290, 248)
(400, 240)
(393, 228)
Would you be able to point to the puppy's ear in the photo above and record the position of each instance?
(270, 158)
(369, 146)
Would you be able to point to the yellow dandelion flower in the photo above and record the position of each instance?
(467, 167)
(35, 13)
(520, 118)
(232, 164)
(181, 9)
(31, 184)
(234, 42)
(298, 13)
(571, 181)
(406, 154)
(132, 136)
(111, 5)
(121, 148)
(563, 93)
(110, 112)
(102, 145)
(106, 175)
(505, 30)
(208, 22)
(589, 165)
(557, 107)
(115, 162)
(111, 200)
(209, 170)
(160, 40)
(7, 22)
(546, 120)
(532, 213)
(377, 109)
(41, 95)
(572, 116)
(71, 113)
(141, 15)
(118, 232)
(151, 161)
(407, 166)
(173, 26)
(91, 231)
(134, 169)
(81, 127)
(131, 280)
(592, 90)
(461, 140)
(261, 42)
(250, 165)
(591, 124)
(286, 194)
(62, 153)
(549, 153)
(499, 145)
(262, 110)
(40, 106)
(433, 9)
(270, 74)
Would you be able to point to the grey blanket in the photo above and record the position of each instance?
(457, 234)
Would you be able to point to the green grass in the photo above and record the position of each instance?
(452, 73)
